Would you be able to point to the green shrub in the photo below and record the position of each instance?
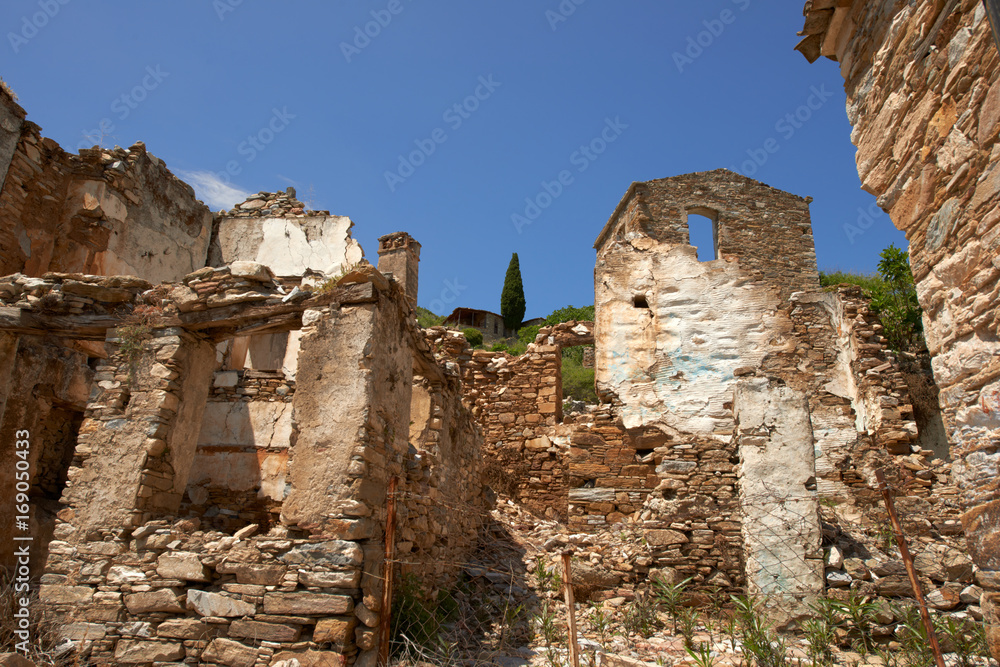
(427, 319)
(869, 282)
(585, 314)
(577, 381)
(500, 346)
(896, 303)
(893, 297)
(474, 336)
(527, 334)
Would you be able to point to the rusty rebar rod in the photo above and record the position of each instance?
(911, 571)
(574, 646)
(385, 616)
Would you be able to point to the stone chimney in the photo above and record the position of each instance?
(399, 255)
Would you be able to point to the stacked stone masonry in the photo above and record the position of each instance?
(929, 71)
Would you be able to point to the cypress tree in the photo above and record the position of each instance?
(512, 298)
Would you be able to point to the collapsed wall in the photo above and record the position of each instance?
(924, 101)
(104, 211)
(136, 573)
(210, 456)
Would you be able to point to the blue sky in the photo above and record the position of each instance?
(354, 104)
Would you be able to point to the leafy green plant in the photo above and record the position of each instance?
(474, 336)
(600, 622)
(688, 623)
(967, 639)
(512, 304)
(670, 597)
(567, 313)
(526, 335)
(577, 381)
(861, 615)
(893, 297)
(413, 617)
(761, 644)
(896, 303)
(427, 319)
(916, 645)
(640, 616)
(821, 637)
(701, 655)
(549, 579)
(545, 625)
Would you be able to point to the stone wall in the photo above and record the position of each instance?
(672, 330)
(767, 230)
(924, 101)
(104, 211)
(246, 514)
(517, 401)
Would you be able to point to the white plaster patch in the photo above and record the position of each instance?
(288, 250)
(673, 363)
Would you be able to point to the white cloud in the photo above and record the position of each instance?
(212, 190)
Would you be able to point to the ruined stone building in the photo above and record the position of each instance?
(923, 97)
(210, 436)
(736, 393)
(217, 403)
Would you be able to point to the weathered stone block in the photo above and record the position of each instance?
(258, 631)
(332, 553)
(335, 630)
(133, 652)
(66, 594)
(664, 537)
(261, 574)
(348, 579)
(229, 652)
(214, 604)
(182, 565)
(308, 604)
(182, 628)
(309, 659)
(162, 600)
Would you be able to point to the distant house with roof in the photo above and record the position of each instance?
(490, 323)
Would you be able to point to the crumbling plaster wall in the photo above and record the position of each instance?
(672, 330)
(275, 230)
(778, 500)
(923, 98)
(703, 321)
